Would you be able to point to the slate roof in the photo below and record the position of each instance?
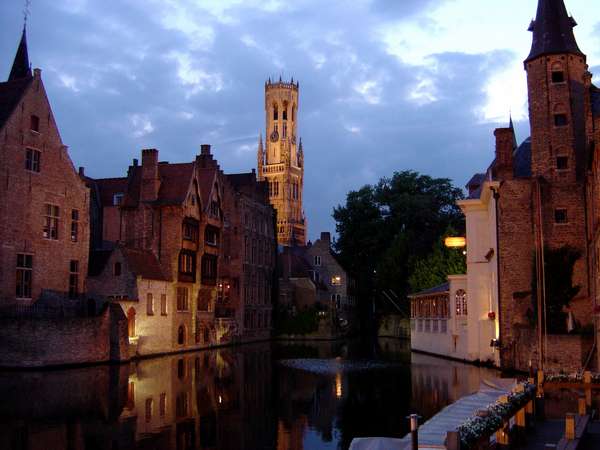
(98, 259)
(441, 289)
(21, 68)
(475, 184)
(11, 93)
(522, 160)
(595, 98)
(292, 263)
(552, 30)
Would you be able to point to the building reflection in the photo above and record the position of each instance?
(223, 399)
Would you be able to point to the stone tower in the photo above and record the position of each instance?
(558, 85)
(281, 161)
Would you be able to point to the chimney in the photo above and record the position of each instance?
(82, 171)
(135, 162)
(150, 180)
(505, 138)
(205, 149)
(326, 237)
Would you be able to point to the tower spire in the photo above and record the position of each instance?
(20, 68)
(512, 127)
(553, 30)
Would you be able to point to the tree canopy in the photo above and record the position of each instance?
(386, 230)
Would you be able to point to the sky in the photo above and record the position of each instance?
(385, 85)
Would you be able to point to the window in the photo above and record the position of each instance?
(275, 112)
(131, 322)
(190, 230)
(130, 395)
(73, 279)
(214, 209)
(148, 409)
(460, 299)
(284, 112)
(209, 269)
(206, 335)
(163, 304)
(187, 266)
(560, 215)
(181, 337)
(117, 269)
(34, 123)
(149, 304)
(211, 236)
(560, 120)
(558, 76)
(182, 299)
(51, 221)
(74, 225)
(336, 280)
(317, 261)
(562, 163)
(181, 405)
(32, 160)
(117, 199)
(24, 275)
(284, 135)
(162, 405)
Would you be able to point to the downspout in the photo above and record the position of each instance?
(496, 198)
(159, 234)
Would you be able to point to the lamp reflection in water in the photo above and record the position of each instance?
(338, 385)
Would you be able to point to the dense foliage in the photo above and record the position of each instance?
(387, 231)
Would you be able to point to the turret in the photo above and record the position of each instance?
(21, 68)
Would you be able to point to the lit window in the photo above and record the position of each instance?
(187, 265)
(460, 299)
(336, 280)
(51, 221)
(32, 160)
(24, 275)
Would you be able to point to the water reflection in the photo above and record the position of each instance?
(231, 399)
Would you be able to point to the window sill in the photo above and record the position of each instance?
(561, 224)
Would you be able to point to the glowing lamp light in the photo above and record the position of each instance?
(455, 242)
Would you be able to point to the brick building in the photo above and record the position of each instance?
(252, 247)
(545, 195)
(44, 227)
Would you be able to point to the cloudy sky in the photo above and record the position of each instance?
(385, 85)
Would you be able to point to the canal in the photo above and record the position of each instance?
(312, 396)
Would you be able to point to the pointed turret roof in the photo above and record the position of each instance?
(20, 68)
(512, 127)
(553, 30)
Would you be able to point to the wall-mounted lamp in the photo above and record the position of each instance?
(455, 242)
(495, 343)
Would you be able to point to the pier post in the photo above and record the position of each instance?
(414, 431)
(570, 427)
(582, 406)
(503, 434)
(587, 380)
(452, 440)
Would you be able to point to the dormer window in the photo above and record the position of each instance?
(34, 124)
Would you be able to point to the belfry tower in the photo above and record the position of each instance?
(281, 161)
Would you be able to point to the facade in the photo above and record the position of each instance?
(459, 318)
(253, 250)
(44, 228)
(536, 199)
(281, 161)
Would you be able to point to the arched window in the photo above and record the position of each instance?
(460, 299)
(285, 108)
(181, 335)
(131, 322)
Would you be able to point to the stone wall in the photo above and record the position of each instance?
(56, 341)
(566, 353)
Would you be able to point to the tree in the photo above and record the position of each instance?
(386, 228)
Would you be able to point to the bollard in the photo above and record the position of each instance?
(414, 431)
(570, 427)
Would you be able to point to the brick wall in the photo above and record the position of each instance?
(24, 194)
(35, 342)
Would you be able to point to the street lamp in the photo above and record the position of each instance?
(455, 242)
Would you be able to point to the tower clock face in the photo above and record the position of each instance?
(274, 136)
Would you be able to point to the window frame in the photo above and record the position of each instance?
(183, 299)
(73, 278)
(149, 304)
(33, 159)
(51, 222)
(24, 276)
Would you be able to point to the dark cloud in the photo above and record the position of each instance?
(113, 73)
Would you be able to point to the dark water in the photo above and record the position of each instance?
(263, 396)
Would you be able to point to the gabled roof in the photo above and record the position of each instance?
(441, 289)
(11, 93)
(553, 30)
(206, 183)
(108, 187)
(174, 182)
(144, 264)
